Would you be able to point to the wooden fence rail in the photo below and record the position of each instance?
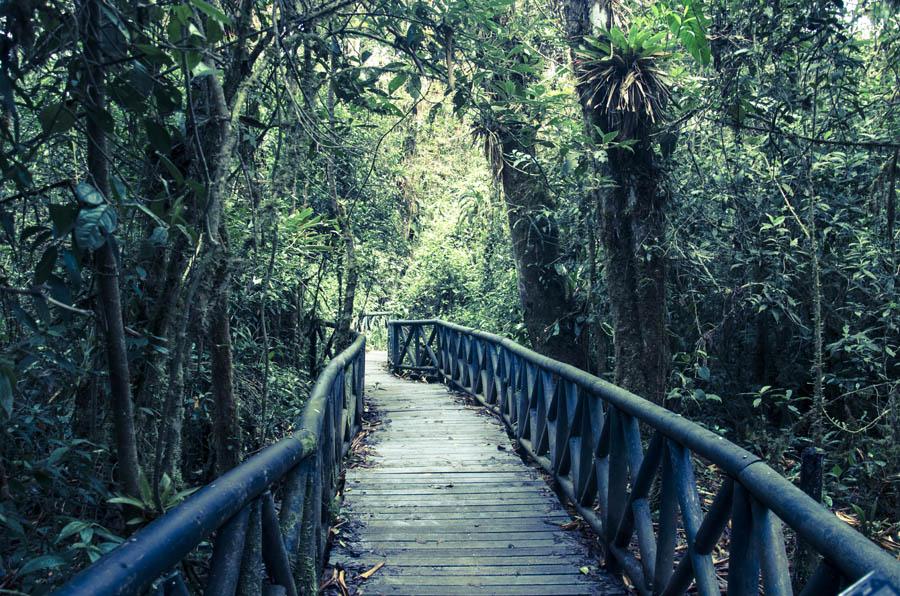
(641, 496)
(258, 546)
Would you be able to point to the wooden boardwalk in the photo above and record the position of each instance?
(449, 508)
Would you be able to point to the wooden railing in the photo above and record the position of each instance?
(640, 496)
(365, 321)
(277, 549)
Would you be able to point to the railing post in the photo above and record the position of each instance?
(615, 499)
(228, 552)
(252, 572)
(773, 559)
(743, 562)
(274, 554)
(667, 533)
(812, 460)
(306, 570)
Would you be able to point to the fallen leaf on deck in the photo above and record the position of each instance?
(372, 571)
(342, 584)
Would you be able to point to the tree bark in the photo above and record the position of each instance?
(548, 308)
(105, 265)
(351, 270)
(632, 228)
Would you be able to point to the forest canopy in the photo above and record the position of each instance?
(694, 199)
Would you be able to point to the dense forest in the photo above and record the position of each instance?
(694, 199)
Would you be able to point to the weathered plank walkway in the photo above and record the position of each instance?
(449, 508)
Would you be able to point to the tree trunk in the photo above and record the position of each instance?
(632, 228)
(226, 427)
(548, 308)
(351, 269)
(105, 264)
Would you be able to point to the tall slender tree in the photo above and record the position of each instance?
(106, 268)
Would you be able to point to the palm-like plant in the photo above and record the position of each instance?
(620, 77)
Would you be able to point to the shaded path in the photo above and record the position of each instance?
(449, 508)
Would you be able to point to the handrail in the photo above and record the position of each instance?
(365, 320)
(586, 433)
(239, 506)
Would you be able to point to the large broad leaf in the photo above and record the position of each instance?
(158, 136)
(42, 563)
(56, 118)
(397, 82)
(212, 12)
(88, 195)
(63, 218)
(45, 265)
(93, 226)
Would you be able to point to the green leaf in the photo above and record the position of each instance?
(93, 225)
(72, 528)
(211, 11)
(8, 224)
(172, 168)
(120, 193)
(88, 195)
(63, 218)
(414, 35)
(703, 373)
(159, 237)
(45, 265)
(146, 491)
(56, 455)
(397, 82)
(41, 563)
(158, 136)
(56, 118)
(202, 69)
(13, 524)
(137, 503)
(6, 393)
(414, 86)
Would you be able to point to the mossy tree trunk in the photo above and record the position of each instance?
(632, 226)
(549, 309)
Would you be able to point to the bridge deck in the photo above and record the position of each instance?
(449, 508)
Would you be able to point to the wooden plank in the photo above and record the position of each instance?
(449, 515)
(464, 525)
(435, 542)
(443, 590)
(510, 579)
(524, 563)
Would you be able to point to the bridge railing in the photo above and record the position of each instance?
(641, 497)
(256, 544)
(366, 321)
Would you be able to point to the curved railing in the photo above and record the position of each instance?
(256, 542)
(587, 434)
